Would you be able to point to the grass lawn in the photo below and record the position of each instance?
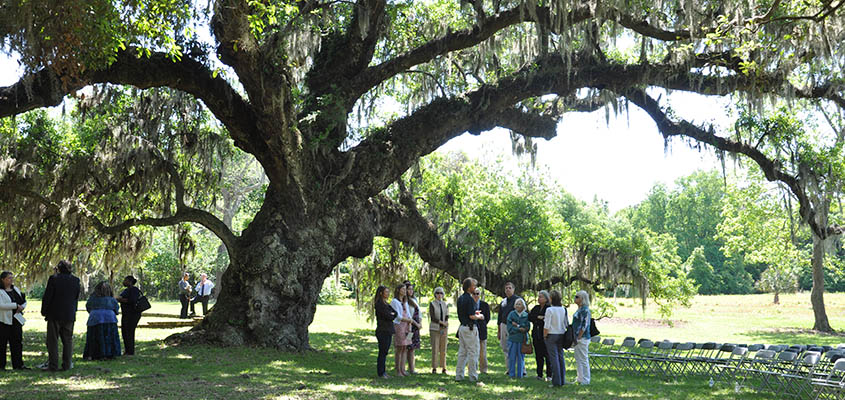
(344, 364)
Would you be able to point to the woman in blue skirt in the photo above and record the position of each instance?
(102, 340)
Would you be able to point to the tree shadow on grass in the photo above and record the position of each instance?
(343, 367)
(790, 336)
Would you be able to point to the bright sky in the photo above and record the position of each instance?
(618, 162)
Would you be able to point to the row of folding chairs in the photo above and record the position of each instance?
(799, 371)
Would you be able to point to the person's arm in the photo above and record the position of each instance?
(532, 316)
(485, 311)
(23, 297)
(10, 305)
(49, 292)
(550, 321)
(513, 324)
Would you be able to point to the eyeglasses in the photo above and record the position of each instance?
(477, 293)
(577, 297)
(438, 293)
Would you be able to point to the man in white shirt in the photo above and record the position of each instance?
(203, 291)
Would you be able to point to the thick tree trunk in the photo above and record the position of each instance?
(269, 291)
(817, 294)
(777, 298)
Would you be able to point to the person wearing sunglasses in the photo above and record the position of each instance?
(438, 329)
(581, 328)
(482, 329)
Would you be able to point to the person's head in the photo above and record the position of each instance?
(439, 293)
(382, 294)
(509, 289)
(185, 276)
(203, 276)
(129, 281)
(409, 289)
(103, 289)
(469, 285)
(582, 299)
(543, 298)
(6, 279)
(476, 294)
(399, 292)
(556, 298)
(519, 306)
(63, 267)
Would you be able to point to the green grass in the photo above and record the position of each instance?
(343, 365)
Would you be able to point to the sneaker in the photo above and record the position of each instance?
(480, 384)
(539, 378)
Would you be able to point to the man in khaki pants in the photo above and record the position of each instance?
(482, 329)
(504, 309)
(468, 314)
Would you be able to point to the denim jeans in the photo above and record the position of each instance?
(516, 360)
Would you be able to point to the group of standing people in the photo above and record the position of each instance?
(550, 322)
(191, 296)
(398, 320)
(59, 306)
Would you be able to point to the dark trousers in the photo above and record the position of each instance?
(185, 300)
(554, 345)
(13, 335)
(204, 301)
(541, 355)
(128, 323)
(384, 339)
(56, 330)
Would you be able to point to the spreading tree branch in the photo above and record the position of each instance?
(402, 221)
(772, 169)
(44, 89)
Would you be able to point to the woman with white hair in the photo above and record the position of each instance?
(518, 327)
(438, 328)
(581, 330)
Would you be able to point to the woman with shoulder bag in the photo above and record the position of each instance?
(581, 331)
(518, 327)
(438, 329)
(554, 327)
(129, 321)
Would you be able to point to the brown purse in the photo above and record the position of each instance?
(527, 348)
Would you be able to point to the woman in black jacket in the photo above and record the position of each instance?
(129, 321)
(537, 317)
(384, 327)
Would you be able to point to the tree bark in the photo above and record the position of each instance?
(817, 294)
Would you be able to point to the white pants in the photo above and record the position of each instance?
(582, 361)
(467, 352)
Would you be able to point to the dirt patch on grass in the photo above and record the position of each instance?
(642, 322)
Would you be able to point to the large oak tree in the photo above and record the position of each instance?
(298, 69)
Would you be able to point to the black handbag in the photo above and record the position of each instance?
(568, 338)
(593, 330)
(142, 304)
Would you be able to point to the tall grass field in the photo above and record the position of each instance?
(342, 364)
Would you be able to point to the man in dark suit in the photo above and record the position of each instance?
(59, 309)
